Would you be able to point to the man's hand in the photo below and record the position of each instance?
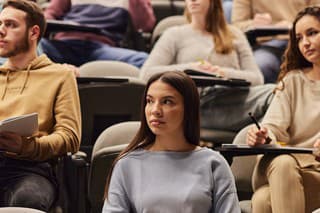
(10, 142)
(256, 137)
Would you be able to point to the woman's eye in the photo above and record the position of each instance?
(311, 33)
(148, 101)
(168, 101)
(298, 39)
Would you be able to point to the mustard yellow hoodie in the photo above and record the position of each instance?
(50, 90)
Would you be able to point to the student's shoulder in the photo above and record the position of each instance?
(135, 154)
(57, 70)
(210, 154)
(131, 158)
(294, 76)
(239, 36)
(42, 65)
(235, 30)
(293, 79)
(214, 159)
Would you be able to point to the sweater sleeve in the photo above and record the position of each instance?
(66, 133)
(117, 201)
(278, 116)
(225, 194)
(142, 15)
(163, 56)
(242, 14)
(57, 9)
(249, 69)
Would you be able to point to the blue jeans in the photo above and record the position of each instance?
(268, 57)
(27, 184)
(78, 52)
(227, 8)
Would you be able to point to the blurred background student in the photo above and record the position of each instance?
(112, 17)
(163, 169)
(291, 183)
(248, 14)
(208, 43)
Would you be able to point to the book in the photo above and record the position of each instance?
(247, 146)
(23, 125)
(200, 73)
(193, 73)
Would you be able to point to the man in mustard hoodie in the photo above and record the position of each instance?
(31, 83)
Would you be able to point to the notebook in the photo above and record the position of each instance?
(23, 125)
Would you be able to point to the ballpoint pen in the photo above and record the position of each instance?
(268, 139)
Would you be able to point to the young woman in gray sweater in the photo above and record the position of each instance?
(164, 169)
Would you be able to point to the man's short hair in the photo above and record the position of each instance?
(34, 13)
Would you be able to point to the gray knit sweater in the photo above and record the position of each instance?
(180, 46)
(198, 181)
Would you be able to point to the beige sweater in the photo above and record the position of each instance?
(51, 91)
(243, 11)
(294, 114)
(181, 46)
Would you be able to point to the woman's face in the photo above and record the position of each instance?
(308, 38)
(164, 109)
(198, 7)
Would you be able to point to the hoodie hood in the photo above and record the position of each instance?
(37, 63)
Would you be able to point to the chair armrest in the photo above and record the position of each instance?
(72, 174)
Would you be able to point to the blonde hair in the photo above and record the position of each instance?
(216, 24)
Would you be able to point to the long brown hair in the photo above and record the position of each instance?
(293, 58)
(144, 137)
(216, 24)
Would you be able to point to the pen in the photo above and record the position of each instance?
(268, 139)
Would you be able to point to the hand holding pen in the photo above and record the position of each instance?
(257, 137)
(317, 150)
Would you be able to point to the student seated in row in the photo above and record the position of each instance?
(111, 17)
(291, 182)
(164, 169)
(30, 83)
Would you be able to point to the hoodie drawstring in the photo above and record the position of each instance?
(26, 79)
(6, 85)
(24, 83)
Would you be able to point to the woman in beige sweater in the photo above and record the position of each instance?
(291, 183)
